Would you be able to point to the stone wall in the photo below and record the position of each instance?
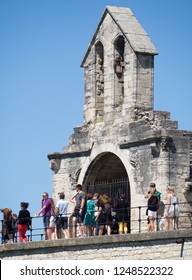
(174, 245)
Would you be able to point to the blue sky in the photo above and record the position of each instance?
(42, 44)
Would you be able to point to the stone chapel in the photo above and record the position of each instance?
(123, 144)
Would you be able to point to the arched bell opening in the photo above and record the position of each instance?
(99, 81)
(119, 48)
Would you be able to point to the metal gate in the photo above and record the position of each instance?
(113, 188)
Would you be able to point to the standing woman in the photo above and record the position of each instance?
(89, 219)
(172, 210)
(24, 221)
(7, 227)
(104, 214)
(152, 206)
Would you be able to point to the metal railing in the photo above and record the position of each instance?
(137, 222)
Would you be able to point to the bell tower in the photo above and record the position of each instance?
(118, 67)
(123, 144)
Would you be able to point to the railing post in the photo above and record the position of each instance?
(157, 222)
(2, 232)
(30, 229)
(174, 215)
(139, 220)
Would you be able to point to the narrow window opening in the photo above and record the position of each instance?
(119, 47)
(99, 80)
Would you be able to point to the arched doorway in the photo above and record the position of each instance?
(107, 174)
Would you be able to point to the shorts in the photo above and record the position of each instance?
(62, 222)
(152, 213)
(104, 220)
(79, 216)
(46, 221)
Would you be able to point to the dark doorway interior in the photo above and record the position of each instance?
(107, 175)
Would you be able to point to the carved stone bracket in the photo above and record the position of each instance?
(187, 188)
(54, 164)
(134, 160)
(167, 144)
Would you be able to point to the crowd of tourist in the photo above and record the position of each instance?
(93, 214)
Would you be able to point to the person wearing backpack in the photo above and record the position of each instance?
(152, 206)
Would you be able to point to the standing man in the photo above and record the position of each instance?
(79, 212)
(61, 216)
(46, 213)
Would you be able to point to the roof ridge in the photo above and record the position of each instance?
(138, 39)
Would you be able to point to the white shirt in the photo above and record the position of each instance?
(62, 205)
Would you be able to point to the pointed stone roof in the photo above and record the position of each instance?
(131, 29)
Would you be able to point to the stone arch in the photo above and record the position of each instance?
(98, 150)
(105, 167)
(106, 173)
(103, 151)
